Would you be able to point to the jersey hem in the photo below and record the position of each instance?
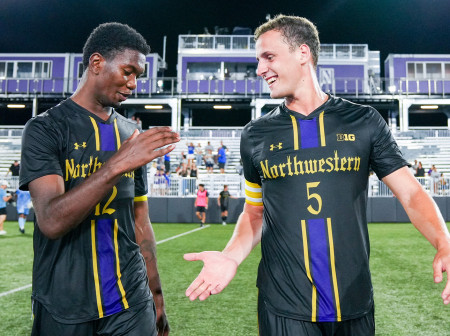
(274, 311)
(85, 319)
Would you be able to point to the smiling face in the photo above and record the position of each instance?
(117, 77)
(278, 65)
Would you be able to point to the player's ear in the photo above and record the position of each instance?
(96, 62)
(304, 53)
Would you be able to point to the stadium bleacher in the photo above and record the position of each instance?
(428, 147)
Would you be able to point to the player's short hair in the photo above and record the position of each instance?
(201, 185)
(225, 186)
(111, 38)
(296, 31)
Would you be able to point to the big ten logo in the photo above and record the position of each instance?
(345, 137)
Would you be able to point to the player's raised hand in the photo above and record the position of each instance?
(441, 264)
(141, 148)
(217, 272)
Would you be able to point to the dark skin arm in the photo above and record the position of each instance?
(58, 211)
(145, 238)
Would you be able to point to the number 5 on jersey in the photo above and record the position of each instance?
(312, 195)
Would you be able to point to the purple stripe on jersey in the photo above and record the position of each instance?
(308, 133)
(107, 138)
(320, 265)
(107, 266)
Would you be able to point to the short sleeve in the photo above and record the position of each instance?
(140, 182)
(253, 190)
(40, 151)
(385, 157)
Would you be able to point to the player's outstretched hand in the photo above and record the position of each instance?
(141, 148)
(216, 274)
(441, 264)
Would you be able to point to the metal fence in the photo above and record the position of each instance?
(177, 186)
(435, 187)
(248, 86)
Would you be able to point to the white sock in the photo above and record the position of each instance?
(22, 223)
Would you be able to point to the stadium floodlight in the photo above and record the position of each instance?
(392, 88)
(16, 105)
(429, 107)
(153, 107)
(222, 107)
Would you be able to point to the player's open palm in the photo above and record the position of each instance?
(217, 272)
(441, 264)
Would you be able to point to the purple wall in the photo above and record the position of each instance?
(348, 77)
(55, 84)
(412, 86)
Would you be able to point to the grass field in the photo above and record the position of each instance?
(407, 302)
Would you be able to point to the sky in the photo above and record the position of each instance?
(390, 26)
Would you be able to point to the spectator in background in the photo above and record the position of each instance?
(183, 162)
(190, 155)
(420, 172)
(222, 159)
(14, 169)
(434, 179)
(151, 176)
(209, 162)
(209, 147)
(4, 197)
(443, 184)
(414, 166)
(159, 182)
(194, 171)
(167, 163)
(166, 189)
(223, 146)
(201, 203)
(222, 202)
(199, 155)
(23, 208)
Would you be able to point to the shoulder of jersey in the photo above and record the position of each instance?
(55, 113)
(270, 116)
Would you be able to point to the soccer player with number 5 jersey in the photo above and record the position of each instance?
(306, 166)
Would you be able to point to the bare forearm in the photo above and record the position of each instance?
(59, 214)
(246, 236)
(426, 217)
(148, 250)
(145, 238)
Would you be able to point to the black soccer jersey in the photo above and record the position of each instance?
(224, 198)
(96, 269)
(311, 175)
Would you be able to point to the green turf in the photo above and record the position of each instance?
(407, 300)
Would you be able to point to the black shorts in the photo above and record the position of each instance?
(134, 321)
(2, 211)
(201, 209)
(221, 165)
(271, 324)
(223, 208)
